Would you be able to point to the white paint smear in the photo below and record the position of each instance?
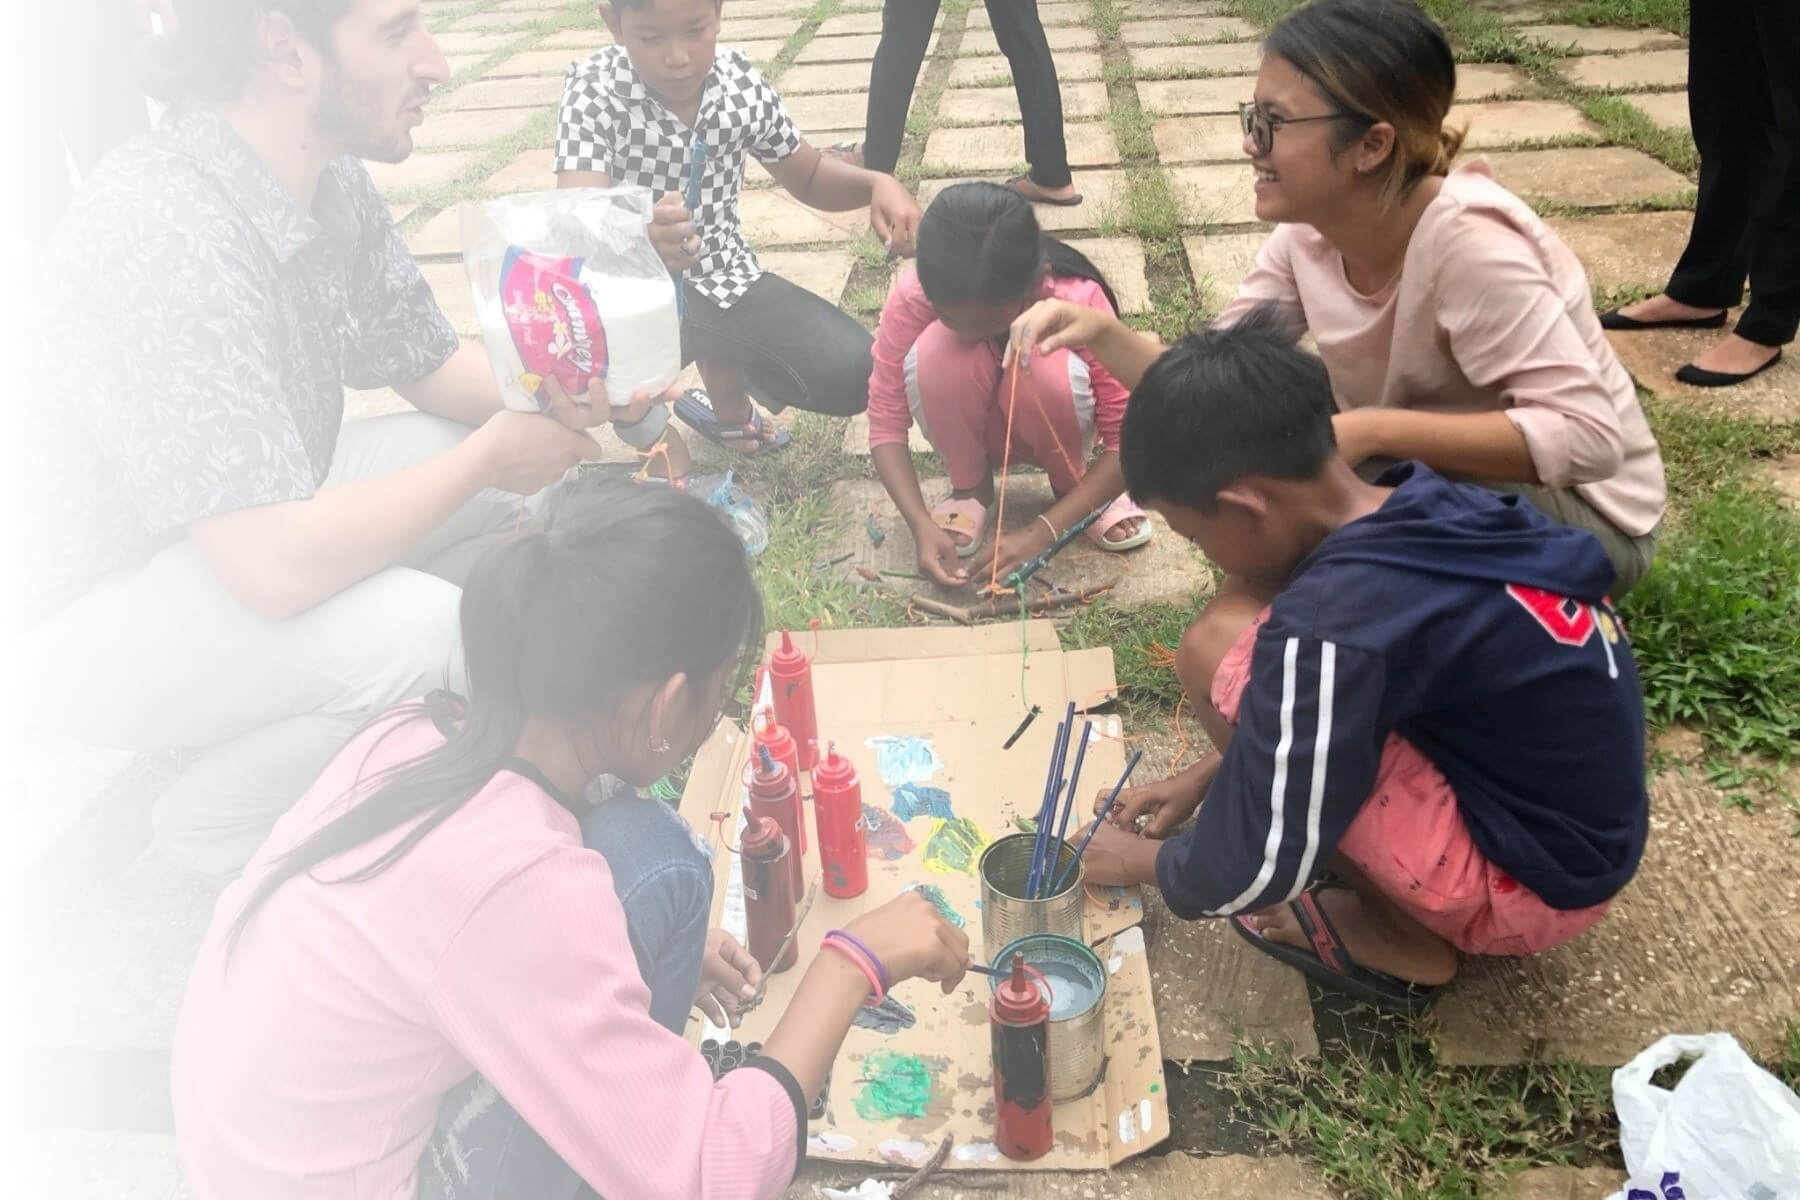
(978, 1152)
(1129, 941)
(830, 1141)
(1146, 1116)
(1128, 1129)
(910, 1153)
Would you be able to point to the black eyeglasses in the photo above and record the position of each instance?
(1260, 126)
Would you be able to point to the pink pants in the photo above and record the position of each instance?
(959, 396)
(1410, 840)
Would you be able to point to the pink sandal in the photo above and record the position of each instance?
(968, 517)
(1114, 515)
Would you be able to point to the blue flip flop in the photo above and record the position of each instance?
(695, 411)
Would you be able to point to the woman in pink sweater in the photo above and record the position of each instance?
(439, 975)
(983, 260)
(1457, 328)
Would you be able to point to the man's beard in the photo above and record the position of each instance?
(351, 115)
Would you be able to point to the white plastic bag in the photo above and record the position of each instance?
(1728, 1130)
(567, 285)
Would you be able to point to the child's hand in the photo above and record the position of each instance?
(672, 233)
(913, 941)
(1116, 857)
(894, 215)
(1012, 550)
(1164, 806)
(937, 556)
(1050, 325)
(728, 978)
(593, 408)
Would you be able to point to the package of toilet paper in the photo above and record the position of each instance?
(568, 286)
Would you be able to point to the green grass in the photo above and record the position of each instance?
(1671, 15)
(1628, 125)
(1147, 691)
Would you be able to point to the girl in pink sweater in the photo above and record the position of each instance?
(983, 261)
(446, 972)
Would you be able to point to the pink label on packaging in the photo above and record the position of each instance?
(553, 322)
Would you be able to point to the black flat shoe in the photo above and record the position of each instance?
(1701, 377)
(1617, 321)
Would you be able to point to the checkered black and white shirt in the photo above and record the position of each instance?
(610, 123)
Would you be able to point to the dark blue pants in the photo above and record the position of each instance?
(483, 1149)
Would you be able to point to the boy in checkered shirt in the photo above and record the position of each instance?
(633, 114)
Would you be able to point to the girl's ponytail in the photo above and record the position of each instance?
(981, 243)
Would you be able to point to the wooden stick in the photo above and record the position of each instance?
(917, 1179)
(1008, 606)
(959, 615)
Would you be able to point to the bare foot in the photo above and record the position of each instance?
(1124, 530)
(1733, 355)
(1662, 308)
(983, 493)
(1371, 937)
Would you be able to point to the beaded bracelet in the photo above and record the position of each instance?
(880, 967)
(877, 992)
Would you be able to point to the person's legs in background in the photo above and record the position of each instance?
(905, 32)
(163, 657)
(483, 1149)
(1020, 33)
(1773, 317)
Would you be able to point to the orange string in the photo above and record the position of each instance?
(1012, 403)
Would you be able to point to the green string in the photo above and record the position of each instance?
(1024, 640)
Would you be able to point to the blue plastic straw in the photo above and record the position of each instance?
(1046, 815)
(1130, 766)
(1053, 853)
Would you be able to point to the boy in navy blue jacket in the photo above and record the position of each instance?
(1438, 722)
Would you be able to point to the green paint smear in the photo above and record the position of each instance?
(1155, 1088)
(954, 846)
(893, 1085)
(939, 901)
(1025, 824)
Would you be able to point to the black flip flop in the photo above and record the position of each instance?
(1329, 964)
(1694, 376)
(1019, 184)
(1617, 321)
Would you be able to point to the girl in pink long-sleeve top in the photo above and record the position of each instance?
(431, 984)
(982, 261)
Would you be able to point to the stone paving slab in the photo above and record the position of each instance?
(859, 47)
(1598, 177)
(462, 128)
(1489, 81)
(1212, 58)
(828, 77)
(1214, 194)
(982, 43)
(1599, 39)
(419, 172)
(997, 147)
(762, 51)
(1652, 359)
(496, 20)
(1700, 940)
(530, 171)
(796, 9)
(536, 8)
(1187, 31)
(1497, 123)
(1210, 987)
(1103, 194)
(1167, 569)
(460, 63)
(995, 71)
(856, 437)
(828, 110)
(1668, 109)
(399, 212)
(439, 237)
(821, 272)
(1623, 250)
(531, 91)
(1219, 262)
(1081, 102)
(1198, 139)
(585, 40)
(1049, 14)
(535, 62)
(1121, 260)
(774, 218)
(1173, 96)
(845, 24)
(1628, 72)
(1172, 1176)
(72, 1164)
(1564, 1183)
(1144, 10)
(450, 287)
(473, 42)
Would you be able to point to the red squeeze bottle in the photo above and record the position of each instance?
(773, 734)
(837, 805)
(790, 679)
(770, 898)
(1023, 1111)
(773, 795)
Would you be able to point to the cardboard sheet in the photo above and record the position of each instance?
(961, 689)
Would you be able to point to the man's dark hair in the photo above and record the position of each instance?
(1221, 404)
(212, 53)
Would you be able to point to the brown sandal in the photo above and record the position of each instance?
(1032, 191)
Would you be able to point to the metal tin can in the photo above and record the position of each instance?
(1005, 914)
(1077, 981)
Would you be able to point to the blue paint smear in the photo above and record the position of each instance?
(918, 800)
(900, 759)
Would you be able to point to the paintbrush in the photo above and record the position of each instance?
(1105, 809)
(1054, 850)
(1053, 786)
(989, 971)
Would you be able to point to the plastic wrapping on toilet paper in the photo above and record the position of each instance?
(568, 286)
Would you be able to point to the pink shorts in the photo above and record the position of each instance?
(1411, 842)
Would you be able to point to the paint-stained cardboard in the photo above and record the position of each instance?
(962, 689)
